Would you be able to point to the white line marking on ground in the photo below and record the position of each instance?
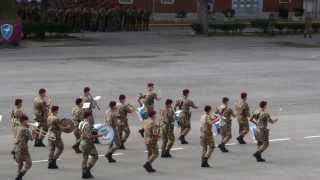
(231, 144)
(115, 154)
(277, 140)
(310, 137)
(39, 161)
(173, 149)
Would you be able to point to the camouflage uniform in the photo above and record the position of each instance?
(262, 118)
(15, 120)
(55, 146)
(308, 26)
(206, 136)
(77, 117)
(41, 110)
(22, 151)
(167, 120)
(151, 135)
(112, 119)
(87, 146)
(89, 99)
(226, 114)
(123, 125)
(243, 113)
(185, 119)
(149, 101)
(146, 20)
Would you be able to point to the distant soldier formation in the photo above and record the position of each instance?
(84, 16)
(155, 126)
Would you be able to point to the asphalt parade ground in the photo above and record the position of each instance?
(283, 70)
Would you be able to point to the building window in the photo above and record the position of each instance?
(125, 1)
(167, 1)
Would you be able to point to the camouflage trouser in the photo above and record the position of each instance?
(308, 29)
(43, 126)
(208, 146)
(153, 152)
(124, 132)
(167, 134)
(115, 144)
(55, 149)
(226, 133)
(243, 126)
(262, 139)
(77, 133)
(23, 160)
(185, 123)
(89, 150)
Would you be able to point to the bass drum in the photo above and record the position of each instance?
(106, 131)
(67, 125)
(216, 128)
(142, 114)
(253, 132)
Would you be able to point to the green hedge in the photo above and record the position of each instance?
(262, 24)
(290, 26)
(229, 27)
(40, 29)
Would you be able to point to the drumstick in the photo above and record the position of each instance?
(1, 118)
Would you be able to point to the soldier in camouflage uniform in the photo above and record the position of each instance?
(151, 136)
(15, 121)
(146, 20)
(243, 114)
(226, 114)
(87, 98)
(123, 126)
(140, 20)
(308, 26)
(41, 110)
(87, 145)
(16, 114)
(185, 104)
(148, 101)
(77, 117)
(55, 145)
(23, 158)
(206, 136)
(112, 119)
(261, 118)
(102, 19)
(167, 119)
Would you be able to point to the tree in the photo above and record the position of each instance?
(203, 15)
(8, 9)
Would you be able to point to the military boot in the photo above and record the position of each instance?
(258, 157)
(183, 140)
(76, 148)
(19, 176)
(141, 131)
(85, 174)
(147, 167)
(109, 157)
(222, 148)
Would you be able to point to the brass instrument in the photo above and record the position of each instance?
(34, 128)
(95, 102)
(67, 125)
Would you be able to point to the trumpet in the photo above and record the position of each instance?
(33, 127)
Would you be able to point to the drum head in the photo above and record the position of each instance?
(216, 129)
(106, 131)
(68, 125)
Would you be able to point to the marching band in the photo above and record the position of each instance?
(115, 131)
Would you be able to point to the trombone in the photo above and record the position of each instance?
(33, 127)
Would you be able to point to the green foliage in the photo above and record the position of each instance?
(39, 30)
(316, 27)
(8, 9)
(229, 27)
(262, 24)
(197, 27)
(290, 26)
(299, 12)
(229, 13)
(181, 14)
